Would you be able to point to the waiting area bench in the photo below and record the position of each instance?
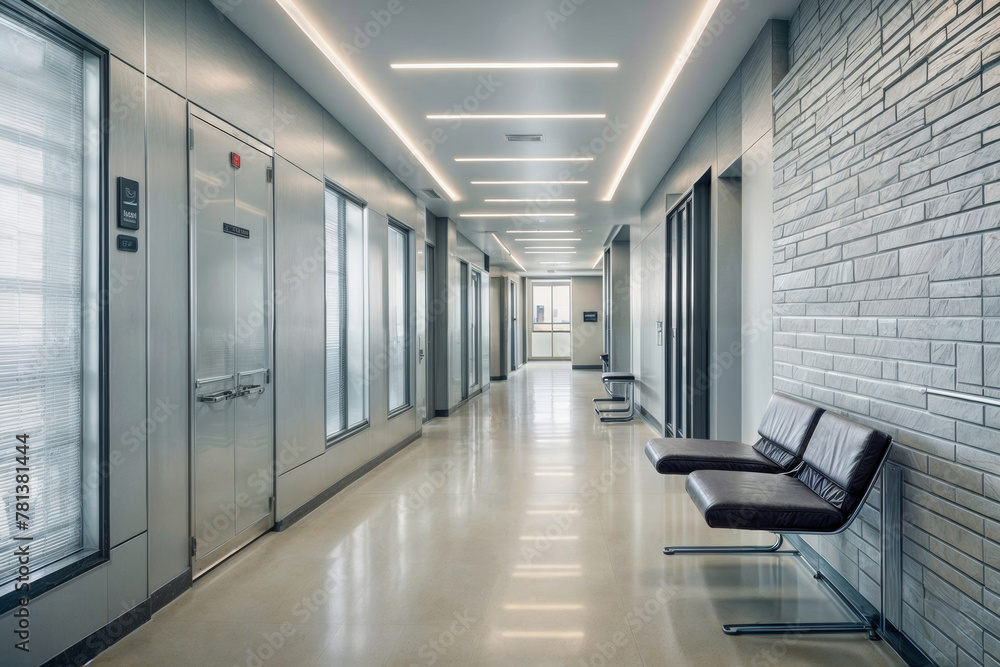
(818, 469)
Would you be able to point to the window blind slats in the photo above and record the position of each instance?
(41, 315)
(346, 399)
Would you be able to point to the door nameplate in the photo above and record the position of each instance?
(241, 232)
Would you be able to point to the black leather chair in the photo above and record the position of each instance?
(784, 431)
(823, 495)
(613, 414)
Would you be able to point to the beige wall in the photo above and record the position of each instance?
(588, 337)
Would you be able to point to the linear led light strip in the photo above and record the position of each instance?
(529, 182)
(516, 116)
(524, 159)
(563, 240)
(528, 201)
(514, 215)
(541, 231)
(306, 26)
(504, 65)
(514, 259)
(661, 95)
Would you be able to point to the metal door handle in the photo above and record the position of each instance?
(217, 397)
(248, 389)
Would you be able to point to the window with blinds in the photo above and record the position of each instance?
(49, 310)
(399, 320)
(346, 318)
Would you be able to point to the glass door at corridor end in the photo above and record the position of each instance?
(551, 335)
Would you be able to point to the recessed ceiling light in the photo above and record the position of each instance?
(542, 200)
(497, 239)
(549, 252)
(333, 55)
(553, 263)
(516, 116)
(524, 159)
(549, 247)
(512, 215)
(529, 182)
(661, 95)
(540, 231)
(563, 240)
(504, 65)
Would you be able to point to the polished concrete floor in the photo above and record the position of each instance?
(520, 531)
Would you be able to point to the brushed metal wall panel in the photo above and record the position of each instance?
(227, 73)
(380, 180)
(725, 267)
(430, 226)
(621, 313)
(757, 88)
(345, 160)
(653, 272)
(298, 486)
(378, 325)
(166, 43)
(729, 120)
(59, 619)
(127, 311)
(757, 249)
(169, 333)
(298, 125)
(127, 586)
(116, 24)
(419, 318)
(300, 316)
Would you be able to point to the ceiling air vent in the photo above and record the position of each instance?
(531, 138)
(431, 192)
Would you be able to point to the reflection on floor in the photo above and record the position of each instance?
(520, 531)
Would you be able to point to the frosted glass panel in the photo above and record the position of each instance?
(541, 344)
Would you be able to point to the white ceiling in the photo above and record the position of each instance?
(644, 37)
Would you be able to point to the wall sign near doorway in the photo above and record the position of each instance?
(241, 232)
(128, 203)
(128, 243)
(590, 316)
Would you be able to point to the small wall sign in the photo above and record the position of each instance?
(128, 243)
(242, 232)
(128, 203)
(590, 316)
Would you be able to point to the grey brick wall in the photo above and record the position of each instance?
(887, 282)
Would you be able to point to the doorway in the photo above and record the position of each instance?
(475, 330)
(463, 305)
(430, 335)
(551, 334)
(512, 316)
(232, 458)
(688, 302)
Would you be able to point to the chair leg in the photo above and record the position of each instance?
(771, 549)
(864, 624)
(612, 415)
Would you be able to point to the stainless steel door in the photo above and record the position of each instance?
(232, 459)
